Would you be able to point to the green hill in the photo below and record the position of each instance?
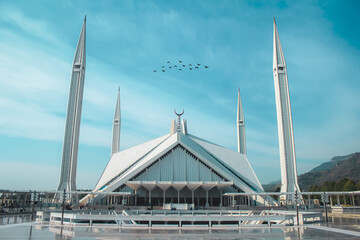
(342, 167)
(336, 169)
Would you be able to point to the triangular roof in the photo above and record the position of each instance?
(123, 160)
(231, 159)
(230, 164)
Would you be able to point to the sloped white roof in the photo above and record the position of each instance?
(123, 160)
(220, 163)
(126, 164)
(230, 158)
(151, 156)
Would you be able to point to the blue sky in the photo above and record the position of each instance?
(126, 40)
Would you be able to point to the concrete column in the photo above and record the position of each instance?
(18, 201)
(207, 198)
(221, 203)
(192, 197)
(249, 200)
(330, 201)
(338, 199)
(353, 201)
(178, 196)
(149, 197)
(233, 201)
(135, 197)
(309, 199)
(164, 196)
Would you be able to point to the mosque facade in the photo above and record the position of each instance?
(178, 167)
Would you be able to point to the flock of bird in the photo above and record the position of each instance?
(180, 66)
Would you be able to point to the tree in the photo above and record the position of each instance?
(328, 186)
(350, 185)
(339, 186)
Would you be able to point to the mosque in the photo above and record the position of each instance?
(177, 168)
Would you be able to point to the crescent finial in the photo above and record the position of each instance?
(179, 114)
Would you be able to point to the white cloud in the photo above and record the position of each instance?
(37, 28)
(122, 51)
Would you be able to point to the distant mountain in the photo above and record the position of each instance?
(336, 169)
(272, 187)
(329, 165)
(342, 167)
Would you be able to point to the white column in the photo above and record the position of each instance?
(207, 198)
(221, 203)
(149, 197)
(164, 196)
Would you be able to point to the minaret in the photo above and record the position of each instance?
(115, 146)
(289, 181)
(73, 116)
(240, 123)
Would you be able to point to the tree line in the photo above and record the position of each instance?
(344, 184)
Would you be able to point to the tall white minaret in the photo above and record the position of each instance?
(240, 123)
(289, 181)
(73, 117)
(115, 146)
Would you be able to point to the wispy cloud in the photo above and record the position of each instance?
(127, 40)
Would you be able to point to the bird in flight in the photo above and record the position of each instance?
(180, 66)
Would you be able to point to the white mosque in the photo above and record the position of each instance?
(178, 167)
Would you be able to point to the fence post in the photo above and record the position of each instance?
(63, 208)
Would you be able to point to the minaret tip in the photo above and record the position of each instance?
(115, 146)
(240, 122)
(85, 18)
(274, 20)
